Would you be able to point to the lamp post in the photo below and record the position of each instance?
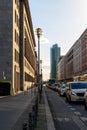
(39, 33)
(41, 74)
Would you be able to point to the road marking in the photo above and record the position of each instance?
(79, 123)
(60, 119)
(77, 113)
(63, 119)
(66, 119)
(69, 106)
(73, 109)
(83, 118)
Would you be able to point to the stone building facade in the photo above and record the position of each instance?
(17, 45)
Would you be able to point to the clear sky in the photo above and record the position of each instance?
(62, 22)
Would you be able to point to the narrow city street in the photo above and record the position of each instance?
(66, 115)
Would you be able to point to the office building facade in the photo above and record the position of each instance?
(17, 45)
(75, 61)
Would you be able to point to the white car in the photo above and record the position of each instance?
(75, 91)
(62, 90)
(56, 86)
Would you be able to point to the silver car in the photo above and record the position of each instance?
(75, 91)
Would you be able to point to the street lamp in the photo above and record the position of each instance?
(39, 33)
(41, 74)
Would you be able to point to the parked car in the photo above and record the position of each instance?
(57, 86)
(62, 90)
(85, 99)
(75, 91)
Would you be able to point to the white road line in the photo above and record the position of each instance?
(83, 118)
(60, 119)
(67, 119)
(79, 123)
(73, 109)
(69, 106)
(77, 113)
(63, 119)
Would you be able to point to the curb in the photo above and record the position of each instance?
(50, 122)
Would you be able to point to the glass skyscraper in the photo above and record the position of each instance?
(54, 59)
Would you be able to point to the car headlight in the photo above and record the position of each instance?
(73, 93)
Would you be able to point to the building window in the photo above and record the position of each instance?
(15, 35)
(15, 1)
(15, 16)
(16, 19)
(16, 56)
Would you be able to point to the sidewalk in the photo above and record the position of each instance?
(44, 118)
(50, 123)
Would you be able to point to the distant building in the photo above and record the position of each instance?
(54, 59)
(17, 45)
(74, 64)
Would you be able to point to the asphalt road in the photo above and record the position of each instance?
(66, 116)
(12, 107)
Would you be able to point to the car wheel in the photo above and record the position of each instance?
(60, 94)
(85, 105)
(69, 99)
(66, 98)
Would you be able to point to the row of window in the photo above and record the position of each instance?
(29, 77)
(28, 66)
(26, 24)
(16, 19)
(28, 51)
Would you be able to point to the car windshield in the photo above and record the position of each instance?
(63, 86)
(79, 85)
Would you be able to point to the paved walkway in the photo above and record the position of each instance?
(24, 117)
(44, 118)
(12, 107)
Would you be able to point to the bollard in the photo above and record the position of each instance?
(31, 120)
(24, 126)
(36, 103)
(34, 91)
(35, 114)
(40, 95)
(35, 108)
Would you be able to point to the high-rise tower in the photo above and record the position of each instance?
(54, 59)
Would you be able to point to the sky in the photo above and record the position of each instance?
(62, 22)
